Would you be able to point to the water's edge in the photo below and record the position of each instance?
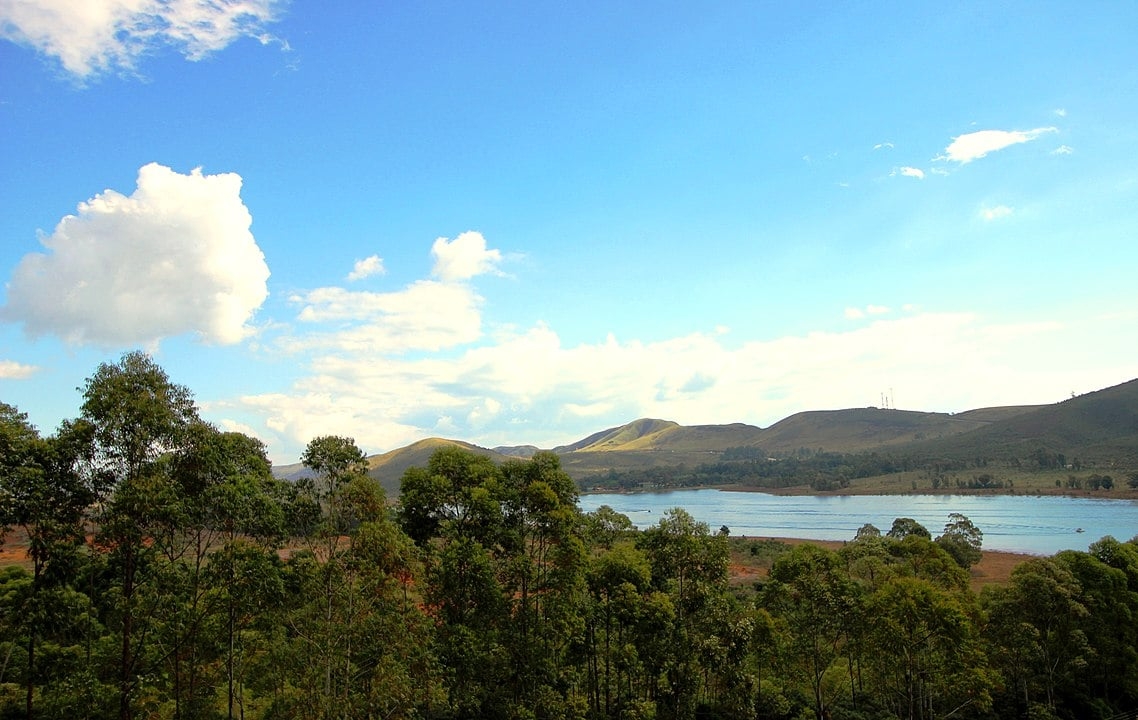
(1012, 523)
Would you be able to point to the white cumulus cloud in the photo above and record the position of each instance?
(367, 267)
(464, 257)
(174, 257)
(12, 370)
(910, 172)
(973, 146)
(89, 37)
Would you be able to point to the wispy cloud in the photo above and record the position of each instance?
(883, 146)
(973, 146)
(995, 213)
(95, 36)
(853, 313)
(174, 257)
(427, 315)
(369, 266)
(1063, 150)
(907, 171)
(12, 370)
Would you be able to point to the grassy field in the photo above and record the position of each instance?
(1003, 481)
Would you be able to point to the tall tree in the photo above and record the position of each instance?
(810, 592)
(139, 416)
(1037, 624)
(962, 540)
(45, 491)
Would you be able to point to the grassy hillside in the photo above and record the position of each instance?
(389, 467)
(860, 429)
(636, 435)
(1098, 427)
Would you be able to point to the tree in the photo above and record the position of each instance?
(45, 492)
(812, 595)
(223, 493)
(927, 662)
(336, 461)
(605, 527)
(904, 527)
(616, 580)
(962, 540)
(1037, 624)
(1111, 675)
(455, 495)
(138, 416)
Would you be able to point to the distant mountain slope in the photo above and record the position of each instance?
(859, 429)
(622, 437)
(1095, 426)
(518, 451)
(389, 467)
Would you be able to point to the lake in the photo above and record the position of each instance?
(1013, 523)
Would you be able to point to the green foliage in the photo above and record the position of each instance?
(906, 527)
(962, 540)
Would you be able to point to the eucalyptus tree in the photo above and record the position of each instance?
(223, 493)
(1036, 628)
(927, 661)
(617, 579)
(139, 418)
(689, 564)
(1111, 626)
(1122, 622)
(810, 593)
(905, 527)
(45, 491)
(324, 626)
(506, 557)
(962, 540)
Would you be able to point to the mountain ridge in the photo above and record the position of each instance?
(1099, 424)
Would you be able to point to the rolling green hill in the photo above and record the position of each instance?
(389, 467)
(1099, 427)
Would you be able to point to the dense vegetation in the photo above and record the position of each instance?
(822, 471)
(171, 576)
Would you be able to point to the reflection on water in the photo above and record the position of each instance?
(1039, 525)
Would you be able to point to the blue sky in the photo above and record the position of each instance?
(514, 223)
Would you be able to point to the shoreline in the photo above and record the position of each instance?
(1124, 494)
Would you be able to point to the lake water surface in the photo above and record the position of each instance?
(1014, 523)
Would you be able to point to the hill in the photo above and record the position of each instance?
(389, 467)
(860, 429)
(1098, 427)
(638, 434)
